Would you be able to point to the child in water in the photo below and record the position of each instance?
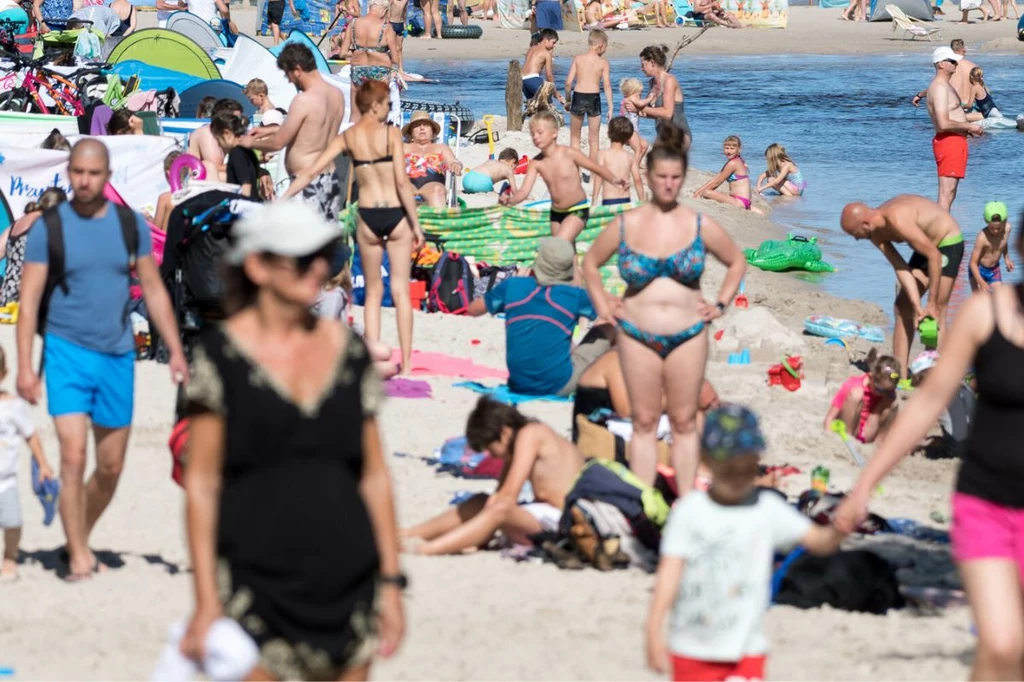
(867, 403)
(782, 175)
(990, 247)
(734, 172)
(716, 560)
(483, 177)
(980, 105)
(631, 90)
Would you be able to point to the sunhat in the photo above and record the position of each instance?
(729, 431)
(556, 261)
(995, 208)
(941, 54)
(421, 117)
(285, 228)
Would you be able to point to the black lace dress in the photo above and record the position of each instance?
(297, 560)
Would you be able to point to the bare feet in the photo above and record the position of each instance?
(10, 571)
(84, 570)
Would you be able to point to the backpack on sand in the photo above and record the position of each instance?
(491, 276)
(451, 285)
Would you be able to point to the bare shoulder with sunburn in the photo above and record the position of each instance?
(321, 109)
(557, 466)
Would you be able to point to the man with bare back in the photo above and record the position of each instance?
(951, 127)
(961, 78)
(314, 118)
(938, 249)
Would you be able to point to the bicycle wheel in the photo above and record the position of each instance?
(64, 94)
(16, 99)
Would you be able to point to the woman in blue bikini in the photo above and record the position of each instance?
(662, 317)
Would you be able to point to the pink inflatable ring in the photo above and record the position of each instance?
(185, 166)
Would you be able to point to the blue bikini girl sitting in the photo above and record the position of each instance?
(663, 368)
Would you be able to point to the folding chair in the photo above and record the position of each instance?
(915, 29)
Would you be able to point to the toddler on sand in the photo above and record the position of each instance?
(990, 248)
(716, 559)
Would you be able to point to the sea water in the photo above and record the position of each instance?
(847, 122)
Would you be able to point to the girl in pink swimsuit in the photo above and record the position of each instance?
(867, 402)
(734, 172)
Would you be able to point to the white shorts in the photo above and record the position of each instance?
(547, 515)
(10, 508)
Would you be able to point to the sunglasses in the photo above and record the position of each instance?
(304, 263)
(950, 61)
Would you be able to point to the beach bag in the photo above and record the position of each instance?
(451, 285)
(491, 276)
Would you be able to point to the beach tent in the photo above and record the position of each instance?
(251, 60)
(318, 16)
(165, 49)
(303, 39)
(220, 89)
(915, 9)
(190, 25)
(155, 77)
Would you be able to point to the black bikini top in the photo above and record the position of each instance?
(369, 162)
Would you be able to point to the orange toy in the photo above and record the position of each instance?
(523, 165)
(787, 373)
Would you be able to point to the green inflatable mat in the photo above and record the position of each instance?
(499, 235)
(796, 253)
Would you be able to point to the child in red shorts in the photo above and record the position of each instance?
(724, 539)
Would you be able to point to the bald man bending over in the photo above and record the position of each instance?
(88, 346)
(938, 250)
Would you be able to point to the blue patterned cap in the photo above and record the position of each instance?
(731, 430)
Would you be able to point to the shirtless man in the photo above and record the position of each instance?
(961, 79)
(711, 10)
(587, 75)
(951, 127)
(539, 59)
(204, 146)
(314, 118)
(532, 452)
(938, 247)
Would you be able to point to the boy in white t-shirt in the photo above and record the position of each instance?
(15, 425)
(725, 539)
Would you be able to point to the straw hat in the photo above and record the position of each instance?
(421, 117)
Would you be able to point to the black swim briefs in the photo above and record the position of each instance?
(952, 255)
(275, 12)
(585, 104)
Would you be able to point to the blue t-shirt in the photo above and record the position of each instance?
(539, 322)
(94, 312)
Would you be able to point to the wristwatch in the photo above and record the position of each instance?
(720, 306)
(398, 580)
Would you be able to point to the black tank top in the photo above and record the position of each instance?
(993, 468)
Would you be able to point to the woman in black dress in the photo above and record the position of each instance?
(289, 506)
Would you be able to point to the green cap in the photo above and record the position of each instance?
(996, 208)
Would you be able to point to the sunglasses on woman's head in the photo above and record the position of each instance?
(304, 263)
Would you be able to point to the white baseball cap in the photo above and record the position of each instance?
(941, 54)
(284, 228)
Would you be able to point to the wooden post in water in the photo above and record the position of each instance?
(514, 96)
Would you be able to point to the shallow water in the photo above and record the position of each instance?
(847, 122)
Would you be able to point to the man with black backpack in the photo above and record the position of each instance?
(75, 294)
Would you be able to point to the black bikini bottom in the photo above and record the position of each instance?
(430, 177)
(382, 221)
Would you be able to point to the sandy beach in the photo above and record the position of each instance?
(484, 616)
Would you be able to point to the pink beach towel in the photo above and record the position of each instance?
(407, 388)
(439, 364)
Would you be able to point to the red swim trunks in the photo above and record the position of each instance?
(950, 155)
(748, 668)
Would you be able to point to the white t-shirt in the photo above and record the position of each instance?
(205, 10)
(724, 590)
(15, 426)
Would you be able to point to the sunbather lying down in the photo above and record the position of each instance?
(533, 452)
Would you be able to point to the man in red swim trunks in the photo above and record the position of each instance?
(951, 126)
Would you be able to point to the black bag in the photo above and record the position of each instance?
(857, 580)
(491, 276)
(451, 285)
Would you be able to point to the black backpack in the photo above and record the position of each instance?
(56, 275)
(451, 285)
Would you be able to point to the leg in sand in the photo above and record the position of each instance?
(997, 10)
(722, 198)
(847, 14)
(993, 589)
(72, 432)
(575, 130)
(683, 377)
(399, 247)
(435, 9)
(643, 371)
(12, 540)
(851, 410)
(878, 421)
(946, 285)
(594, 136)
(1007, 6)
(371, 254)
(428, 19)
(463, 13)
(470, 525)
(111, 446)
(275, 31)
(905, 323)
(639, 146)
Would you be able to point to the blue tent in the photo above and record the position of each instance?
(155, 77)
(303, 39)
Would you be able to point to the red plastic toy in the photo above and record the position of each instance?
(718, 334)
(787, 373)
(523, 165)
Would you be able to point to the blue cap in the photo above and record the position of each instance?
(731, 430)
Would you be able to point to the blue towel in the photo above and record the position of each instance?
(549, 15)
(503, 394)
(48, 491)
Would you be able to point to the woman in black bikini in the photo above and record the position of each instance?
(387, 208)
(289, 505)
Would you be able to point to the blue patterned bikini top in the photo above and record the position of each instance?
(638, 270)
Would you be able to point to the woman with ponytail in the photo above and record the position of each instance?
(667, 108)
(14, 247)
(662, 318)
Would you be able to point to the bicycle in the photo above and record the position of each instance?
(41, 90)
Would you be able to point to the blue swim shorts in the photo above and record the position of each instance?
(475, 182)
(84, 381)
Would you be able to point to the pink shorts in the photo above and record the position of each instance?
(986, 530)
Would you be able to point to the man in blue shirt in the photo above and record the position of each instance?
(88, 346)
(541, 313)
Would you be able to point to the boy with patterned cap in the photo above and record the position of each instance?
(990, 248)
(725, 539)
